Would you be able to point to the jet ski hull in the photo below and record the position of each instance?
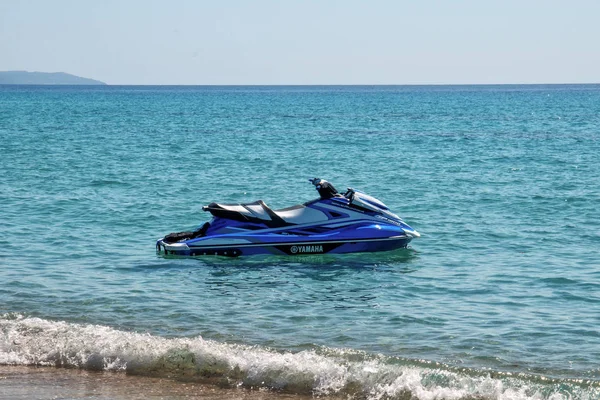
(286, 248)
(372, 238)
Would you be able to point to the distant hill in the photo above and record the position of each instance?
(44, 78)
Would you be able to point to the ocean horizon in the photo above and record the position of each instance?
(309, 85)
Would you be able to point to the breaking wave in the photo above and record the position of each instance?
(317, 372)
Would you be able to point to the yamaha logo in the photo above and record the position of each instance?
(306, 249)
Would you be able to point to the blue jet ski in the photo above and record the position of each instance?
(333, 223)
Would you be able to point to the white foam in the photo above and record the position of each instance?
(35, 341)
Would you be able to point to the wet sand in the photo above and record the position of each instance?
(18, 382)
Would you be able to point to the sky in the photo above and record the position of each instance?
(293, 42)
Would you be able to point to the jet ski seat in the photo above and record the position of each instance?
(301, 214)
(259, 212)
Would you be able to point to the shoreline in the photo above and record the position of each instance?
(30, 382)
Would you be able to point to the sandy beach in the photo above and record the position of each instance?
(19, 382)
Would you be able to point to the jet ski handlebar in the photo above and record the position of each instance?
(349, 194)
(327, 191)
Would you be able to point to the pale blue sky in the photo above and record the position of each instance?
(305, 42)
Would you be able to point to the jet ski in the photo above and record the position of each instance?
(334, 223)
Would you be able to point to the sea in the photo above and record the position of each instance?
(499, 299)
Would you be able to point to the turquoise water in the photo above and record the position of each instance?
(499, 298)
